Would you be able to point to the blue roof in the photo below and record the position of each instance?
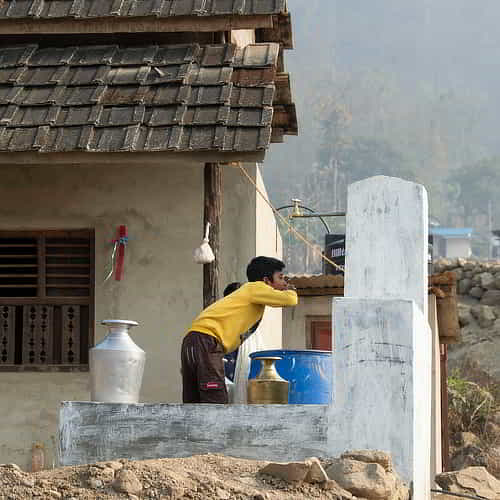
(452, 232)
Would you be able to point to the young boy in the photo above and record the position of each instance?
(218, 329)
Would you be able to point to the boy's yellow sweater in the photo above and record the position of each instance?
(228, 318)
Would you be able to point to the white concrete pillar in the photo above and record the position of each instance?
(382, 363)
(386, 240)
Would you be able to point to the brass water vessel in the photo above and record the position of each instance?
(268, 387)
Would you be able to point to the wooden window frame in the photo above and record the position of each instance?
(42, 298)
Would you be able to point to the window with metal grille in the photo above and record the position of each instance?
(46, 299)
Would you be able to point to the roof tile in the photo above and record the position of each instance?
(210, 76)
(149, 98)
(82, 9)
(79, 115)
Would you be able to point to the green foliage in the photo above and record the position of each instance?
(470, 405)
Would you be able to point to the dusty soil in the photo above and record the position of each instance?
(202, 477)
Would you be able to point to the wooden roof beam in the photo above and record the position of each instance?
(134, 25)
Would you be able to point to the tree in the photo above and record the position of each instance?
(472, 188)
(355, 159)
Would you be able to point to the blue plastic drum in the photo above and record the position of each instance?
(309, 374)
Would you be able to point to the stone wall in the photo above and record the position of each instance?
(478, 286)
(479, 283)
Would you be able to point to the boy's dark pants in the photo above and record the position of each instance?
(202, 363)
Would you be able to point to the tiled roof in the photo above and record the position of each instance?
(303, 281)
(151, 98)
(87, 9)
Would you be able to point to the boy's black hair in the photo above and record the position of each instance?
(263, 267)
(231, 288)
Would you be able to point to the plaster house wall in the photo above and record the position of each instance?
(268, 242)
(161, 288)
(295, 320)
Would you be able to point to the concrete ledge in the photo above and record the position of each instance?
(91, 432)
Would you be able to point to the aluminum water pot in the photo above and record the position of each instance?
(116, 365)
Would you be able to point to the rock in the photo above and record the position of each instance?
(104, 474)
(225, 495)
(127, 482)
(14, 467)
(461, 262)
(467, 456)
(28, 481)
(472, 480)
(458, 272)
(53, 494)
(371, 456)
(316, 472)
(464, 316)
(95, 483)
(337, 490)
(476, 291)
(290, 472)
(496, 282)
(468, 274)
(491, 298)
(367, 480)
(261, 496)
(484, 315)
(464, 285)
(486, 280)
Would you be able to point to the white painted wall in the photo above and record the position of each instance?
(242, 38)
(458, 247)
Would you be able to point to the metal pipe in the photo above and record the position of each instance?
(314, 214)
(331, 214)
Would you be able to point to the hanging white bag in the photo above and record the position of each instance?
(204, 254)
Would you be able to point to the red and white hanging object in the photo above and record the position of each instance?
(204, 254)
(118, 254)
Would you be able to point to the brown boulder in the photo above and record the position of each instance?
(290, 472)
(316, 472)
(472, 480)
(367, 480)
(370, 456)
(127, 482)
(333, 487)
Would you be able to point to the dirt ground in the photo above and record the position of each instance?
(202, 477)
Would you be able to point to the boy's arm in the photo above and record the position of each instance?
(268, 296)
